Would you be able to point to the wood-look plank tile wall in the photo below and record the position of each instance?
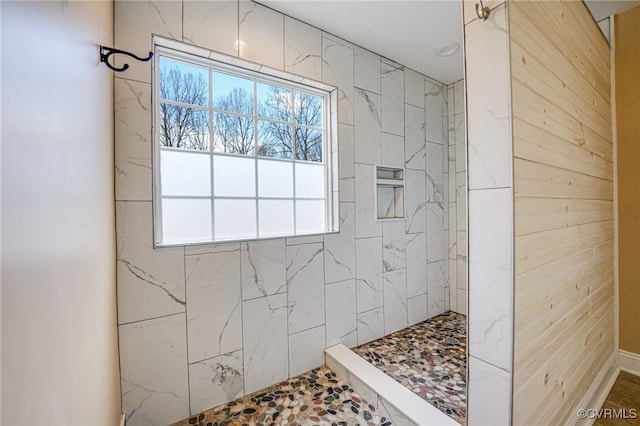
(563, 182)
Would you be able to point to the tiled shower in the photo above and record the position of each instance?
(200, 325)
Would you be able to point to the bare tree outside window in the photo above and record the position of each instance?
(181, 126)
(234, 133)
(285, 118)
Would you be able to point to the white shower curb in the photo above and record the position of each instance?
(391, 399)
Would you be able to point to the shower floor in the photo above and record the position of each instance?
(317, 397)
(428, 358)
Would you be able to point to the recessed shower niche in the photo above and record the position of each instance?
(389, 193)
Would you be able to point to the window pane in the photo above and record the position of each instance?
(233, 134)
(185, 173)
(233, 176)
(310, 216)
(274, 139)
(275, 178)
(184, 83)
(308, 109)
(310, 180)
(231, 93)
(276, 217)
(182, 127)
(186, 221)
(308, 144)
(274, 102)
(235, 219)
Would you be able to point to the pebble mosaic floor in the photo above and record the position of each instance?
(429, 358)
(317, 397)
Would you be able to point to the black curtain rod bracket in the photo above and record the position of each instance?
(105, 52)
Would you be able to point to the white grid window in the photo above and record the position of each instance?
(238, 154)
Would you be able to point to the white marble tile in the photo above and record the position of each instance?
(368, 130)
(214, 317)
(134, 24)
(211, 248)
(387, 207)
(491, 272)
(264, 330)
(461, 244)
(417, 309)
(337, 69)
(435, 232)
(488, 115)
(305, 286)
(261, 34)
(340, 307)
(413, 88)
(394, 246)
(450, 104)
(337, 39)
(150, 281)
(392, 414)
(304, 239)
(452, 230)
(445, 116)
(433, 111)
(392, 90)
(363, 389)
(446, 213)
(370, 325)
(346, 163)
(132, 117)
(366, 223)
(453, 300)
(461, 201)
(392, 150)
(414, 138)
(489, 391)
(415, 198)
(264, 270)
(416, 264)
(458, 97)
(366, 70)
(447, 299)
(302, 49)
(306, 350)
(462, 301)
(452, 170)
(153, 370)
(461, 274)
(200, 17)
(460, 143)
(215, 381)
(369, 273)
(340, 248)
(435, 288)
(395, 301)
(435, 172)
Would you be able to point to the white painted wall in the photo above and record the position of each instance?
(59, 340)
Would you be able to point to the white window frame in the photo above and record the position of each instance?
(212, 60)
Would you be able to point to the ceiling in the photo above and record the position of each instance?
(408, 32)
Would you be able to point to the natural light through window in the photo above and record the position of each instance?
(239, 154)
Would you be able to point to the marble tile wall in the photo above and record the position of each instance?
(202, 325)
(456, 170)
(490, 233)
